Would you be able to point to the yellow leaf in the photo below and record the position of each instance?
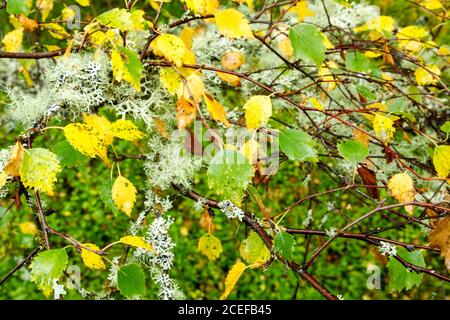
(185, 112)
(101, 125)
(170, 79)
(137, 242)
(233, 276)
(216, 110)
(28, 227)
(56, 31)
(126, 130)
(170, 47)
(83, 3)
(12, 41)
(86, 140)
(3, 179)
(428, 75)
(402, 189)
(187, 34)
(202, 7)
(316, 104)
(258, 110)
(91, 259)
(229, 78)
(193, 89)
(137, 17)
(117, 65)
(210, 246)
(380, 24)
(232, 24)
(441, 160)
(253, 250)
(250, 150)
(431, 4)
(232, 60)
(45, 6)
(408, 36)
(67, 13)
(124, 195)
(383, 127)
(302, 10)
(285, 47)
(12, 167)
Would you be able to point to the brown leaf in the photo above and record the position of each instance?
(376, 253)
(185, 113)
(232, 60)
(440, 238)
(161, 127)
(206, 222)
(387, 56)
(369, 178)
(12, 168)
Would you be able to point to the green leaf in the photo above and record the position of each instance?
(16, 6)
(131, 281)
(133, 68)
(229, 174)
(400, 277)
(297, 145)
(446, 127)
(39, 169)
(253, 250)
(353, 151)
(68, 156)
(366, 92)
(210, 246)
(106, 197)
(283, 244)
(46, 266)
(357, 62)
(307, 42)
(117, 18)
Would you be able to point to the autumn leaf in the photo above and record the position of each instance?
(428, 75)
(232, 278)
(170, 47)
(124, 195)
(170, 79)
(302, 10)
(193, 89)
(439, 237)
(232, 24)
(210, 246)
(383, 127)
(250, 150)
(86, 140)
(12, 167)
(27, 23)
(137, 242)
(231, 79)
(441, 160)
(91, 259)
(126, 130)
(45, 6)
(28, 227)
(215, 109)
(402, 189)
(12, 41)
(185, 113)
(202, 7)
(232, 60)
(258, 110)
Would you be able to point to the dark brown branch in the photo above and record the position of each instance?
(32, 55)
(25, 261)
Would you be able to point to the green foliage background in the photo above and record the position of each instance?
(80, 212)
